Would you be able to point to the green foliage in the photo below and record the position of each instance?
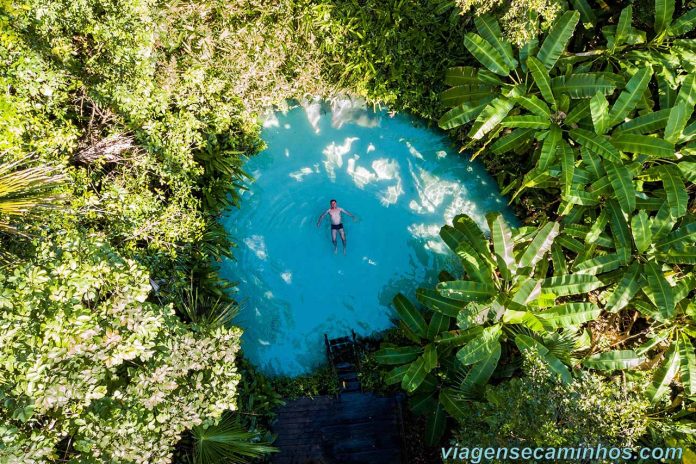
(24, 191)
(227, 442)
(321, 381)
(540, 409)
(613, 146)
(119, 376)
(521, 19)
(505, 302)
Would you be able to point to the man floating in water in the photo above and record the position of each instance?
(336, 224)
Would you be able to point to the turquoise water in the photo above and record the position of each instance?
(401, 180)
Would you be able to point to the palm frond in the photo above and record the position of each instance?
(227, 442)
(23, 191)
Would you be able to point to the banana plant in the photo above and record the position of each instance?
(621, 154)
(503, 303)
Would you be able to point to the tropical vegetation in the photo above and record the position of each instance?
(603, 281)
(124, 127)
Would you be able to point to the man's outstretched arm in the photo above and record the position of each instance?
(348, 213)
(321, 218)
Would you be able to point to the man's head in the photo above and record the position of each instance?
(332, 203)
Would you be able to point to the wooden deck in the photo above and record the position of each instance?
(353, 428)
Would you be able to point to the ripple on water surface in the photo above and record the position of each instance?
(401, 180)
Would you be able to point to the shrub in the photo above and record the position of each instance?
(539, 409)
(91, 370)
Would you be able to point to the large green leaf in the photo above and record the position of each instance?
(677, 238)
(452, 237)
(474, 235)
(646, 123)
(454, 404)
(666, 84)
(466, 291)
(630, 96)
(642, 235)
(597, 144)
(612, 360)
(489, 29)
(644, 145)
(490, 117)
(622, 183)
(557, 39)
(688, 170)
(541, 79)
(686, 255)
(423, 401)
(601, 264)
(567, 166)
(396, 374)
(534, 105)
(481, 372)
(455, 96)
(540, 245)
(548, 147)
(472, 315)
(560, 267)
(410, 315)
(687, 91)
(599, 109)
(653, 340)
(433, 300)
(597, 227)
(461, 114)
(525, 318)
(578, 112)
(593, 163)
(435, 426)
(528, 290)
(458, 337)
(480, 347)
(525, 343)
(526, 122)
(414, 376)
(397, 355)
(430, 357)
(463, 75)
(678, 117)
(664, 9)
(582, 85)
(625, 290)
(512, 141)
(438, 323)
(685, 23)
(677, 196)
(569, 314)
(571, 284)
(623, 27)
(474, 266)
(502, 242)
(687, 359)
(664, 375)
(587, 14)
(662, 293)
(486, 54)
(619, 227)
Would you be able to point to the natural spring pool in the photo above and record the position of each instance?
(401, 179)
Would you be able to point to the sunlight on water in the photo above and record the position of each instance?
(400, 179)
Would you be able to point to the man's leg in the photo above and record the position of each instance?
(343, 237)
(333, 239)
